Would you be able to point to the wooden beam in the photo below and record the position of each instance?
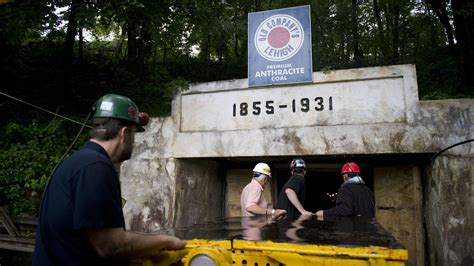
(24, 244)
(7, 222)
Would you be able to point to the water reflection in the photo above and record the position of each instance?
(252, 227)
(296, 225)
(346, 231)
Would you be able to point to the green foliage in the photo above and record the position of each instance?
(28, 154)
(432, 74)
(148, 50)
(154, 95)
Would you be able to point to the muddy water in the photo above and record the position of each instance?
(341, 231)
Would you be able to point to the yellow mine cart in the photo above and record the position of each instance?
(294, 243)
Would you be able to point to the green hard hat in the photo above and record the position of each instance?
(118, 106)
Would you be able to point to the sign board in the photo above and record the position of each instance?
(279, 46)
(369, 101)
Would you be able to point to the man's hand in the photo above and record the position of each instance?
(320, 214)
(278, 214)
(175, 243)
(118, 243)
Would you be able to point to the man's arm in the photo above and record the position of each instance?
(343, 206)
(255, 209)
(320, 214)
(118, 243)
(250, 204)
(275, 213)
(291, 194)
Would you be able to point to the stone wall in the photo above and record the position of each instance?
(398, 203)
(199, 190)
(449, 210)
(149, 179)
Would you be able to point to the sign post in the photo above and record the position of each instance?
(279, 47)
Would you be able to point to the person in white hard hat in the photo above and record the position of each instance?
(252, 201)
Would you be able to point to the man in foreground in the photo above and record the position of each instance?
(81, 220)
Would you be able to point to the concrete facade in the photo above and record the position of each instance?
(175, 176)
(449, 210)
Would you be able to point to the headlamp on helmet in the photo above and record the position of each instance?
(120, 107)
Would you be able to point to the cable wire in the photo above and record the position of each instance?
(48, 182)
(452, 146)
(42, 109)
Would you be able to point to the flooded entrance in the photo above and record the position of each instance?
(395, 180)
(191, 166)
(323, 176)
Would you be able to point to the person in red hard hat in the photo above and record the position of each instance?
(354, 198)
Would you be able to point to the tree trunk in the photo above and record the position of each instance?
(222, 43)
(464, 31)
(395, 32)
(208, 54)
(236, 38)
(236, 45)
(244, 41)
(344, 54)
(81, 47)
(132, 46)
(71, 32)
(257, 5)
(141, 46)
(355, 34)
(64, 91)
(440, 10)
(380, 31)
(118, 49)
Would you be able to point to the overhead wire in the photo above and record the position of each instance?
(83, 125)
(42, 109)
(449, 147)
(427, 177)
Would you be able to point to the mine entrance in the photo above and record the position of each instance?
(322, 182)
(395, 180)
(323, 176)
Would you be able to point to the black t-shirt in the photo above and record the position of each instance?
(84, 193)
(297, 184)
(353, 199)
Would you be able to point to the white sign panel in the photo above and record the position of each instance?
(351, 102)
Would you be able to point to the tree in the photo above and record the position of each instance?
(461, 38)
(148, 49)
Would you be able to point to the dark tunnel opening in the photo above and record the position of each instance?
(323, 177)
(322, 183)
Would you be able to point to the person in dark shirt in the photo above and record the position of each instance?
(81, 220)
(293, 193)
(354, 198)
